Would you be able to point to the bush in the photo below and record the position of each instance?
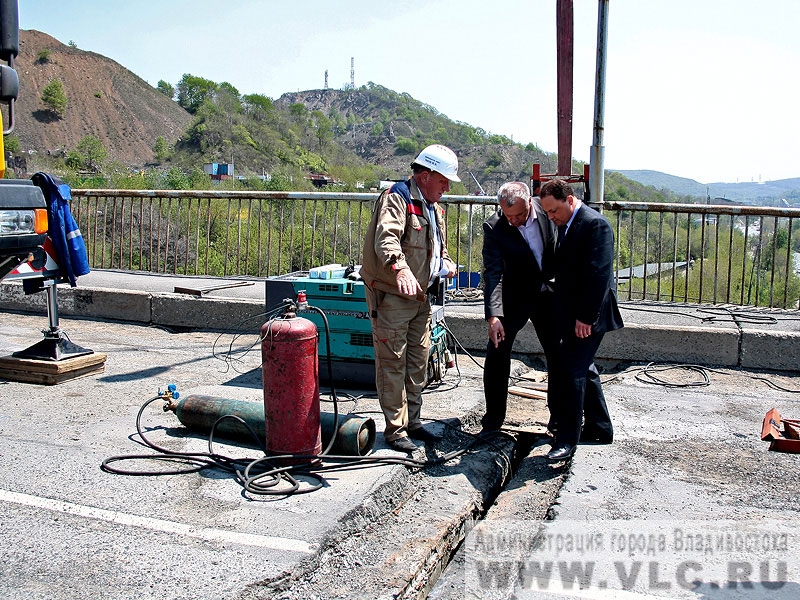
(405, 146)
(93, 153)
(11, 144)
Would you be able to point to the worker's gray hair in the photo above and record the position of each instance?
(512, 191)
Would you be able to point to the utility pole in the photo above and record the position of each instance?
(597, 151)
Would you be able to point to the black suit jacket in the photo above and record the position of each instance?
(511, 276)
(584, 279)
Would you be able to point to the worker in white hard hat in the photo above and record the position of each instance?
(404, 257)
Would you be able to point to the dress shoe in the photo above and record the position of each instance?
(561, 452)
(403, 444)
(596, 437)
(423, 435)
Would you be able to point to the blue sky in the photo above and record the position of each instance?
(705, 89)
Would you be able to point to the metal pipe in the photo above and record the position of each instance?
(597, 151)
(564, 56)
(355, 435)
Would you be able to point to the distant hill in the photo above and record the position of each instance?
(381, 123)
(767, 193)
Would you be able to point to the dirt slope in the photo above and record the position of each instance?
(104, 100)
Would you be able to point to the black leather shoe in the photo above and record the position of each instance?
(561, 452)
(596, 437)
(423, 435)
(403, 444)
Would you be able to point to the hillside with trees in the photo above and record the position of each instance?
(67, 94)
(97, 124)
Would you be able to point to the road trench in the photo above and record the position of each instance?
(531, 489)
(406, 541)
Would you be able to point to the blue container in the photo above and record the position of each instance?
(469, 280)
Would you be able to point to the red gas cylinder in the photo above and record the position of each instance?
(289, 370)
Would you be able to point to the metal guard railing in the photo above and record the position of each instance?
(696, 253)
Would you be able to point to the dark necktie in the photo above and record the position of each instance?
(562, 230)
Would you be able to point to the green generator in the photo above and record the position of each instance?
(344, 304)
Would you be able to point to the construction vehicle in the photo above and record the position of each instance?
(23, 211)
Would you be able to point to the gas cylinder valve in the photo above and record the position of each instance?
(170, 395)
(302, 301)
(170, 392)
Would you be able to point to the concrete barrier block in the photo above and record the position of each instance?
(96, 303)
(171, 310)
(772, 350)
(14, 299)
(470, 329)
(687, 345)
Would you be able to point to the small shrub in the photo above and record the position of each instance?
(44, 56)
(11, 144)
(405, 146)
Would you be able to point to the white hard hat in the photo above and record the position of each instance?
(440, 159)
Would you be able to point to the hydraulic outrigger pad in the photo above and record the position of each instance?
(55, 345)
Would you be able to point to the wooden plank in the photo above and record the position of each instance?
(527, 392)
(533, 377)
(51, 372)
(532, 429)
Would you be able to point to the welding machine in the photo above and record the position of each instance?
(343, 300)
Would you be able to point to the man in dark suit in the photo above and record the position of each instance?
(518, 247)
(586, 308)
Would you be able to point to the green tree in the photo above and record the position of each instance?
(54, 97)
(322, 128)
(43, 57)
(93, 152)
(229, 88)
(161, 148)
(299, 113)
(166, 88)
(193, 91)
(257, 106)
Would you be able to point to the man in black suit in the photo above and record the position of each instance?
(518, 247)
(586, 308)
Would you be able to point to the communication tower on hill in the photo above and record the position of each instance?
(326, 79)
(352, 73)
